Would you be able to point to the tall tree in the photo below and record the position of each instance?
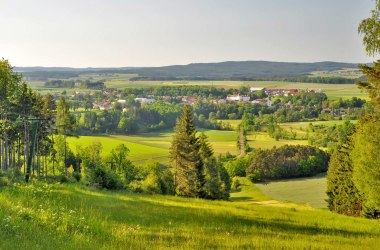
(213, 187)
(366, 163)
(187, 161)
(370, 29)
(64, 123)
(343, 195)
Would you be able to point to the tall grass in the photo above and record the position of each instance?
(42, 216)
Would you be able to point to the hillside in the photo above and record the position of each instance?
(233, 70)
(66, 216)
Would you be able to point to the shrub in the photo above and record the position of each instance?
(77, 176)
(235, 183)
(104, 178)
(236, 167)
(4, 181)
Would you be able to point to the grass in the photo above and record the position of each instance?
(57, 216)
(301, 190)
(154, 146)
(264, 141)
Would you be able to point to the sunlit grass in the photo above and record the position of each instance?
(73, 217)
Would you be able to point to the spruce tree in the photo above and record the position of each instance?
(214, 187)
(343, 195)
(188, 166)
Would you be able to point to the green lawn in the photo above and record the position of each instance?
(39, 216)
(301, 190)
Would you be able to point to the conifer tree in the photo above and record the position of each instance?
(64, 123)
(343, 195)
(214, 187)
(188, 166)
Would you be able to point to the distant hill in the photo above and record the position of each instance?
(245, 70)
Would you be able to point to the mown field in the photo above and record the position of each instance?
(310, 190)
(67, 216)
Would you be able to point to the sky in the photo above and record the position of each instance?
(134, 33)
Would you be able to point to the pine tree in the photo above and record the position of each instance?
(188, 166)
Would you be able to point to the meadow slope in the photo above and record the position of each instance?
(67, 216)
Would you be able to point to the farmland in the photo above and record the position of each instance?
(155, 146)
(121, 81)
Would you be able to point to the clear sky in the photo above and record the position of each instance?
(113, 33)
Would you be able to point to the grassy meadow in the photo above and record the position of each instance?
(67, 216)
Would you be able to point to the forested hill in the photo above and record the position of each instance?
(245, 70)
(241, 70)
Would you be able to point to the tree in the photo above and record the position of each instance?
(188, 166)
(370, 29)
(366, 162)
(65, 121)
(123, 166)
(214, 187)
(343, 195)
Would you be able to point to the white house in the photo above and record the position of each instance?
(144, 100)
(255, 89)
(121, 101)
(238, 98)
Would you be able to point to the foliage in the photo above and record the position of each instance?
(366, 161)
(343, 195)
(187, 161)
(285, 162)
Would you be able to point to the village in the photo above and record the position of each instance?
(108, 98)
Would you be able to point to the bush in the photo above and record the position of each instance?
(135, 186)
(104, 178)
(77, 176)
(286, 162)
(236, 167)
(4, 181)
(63, 178)
(235, 183)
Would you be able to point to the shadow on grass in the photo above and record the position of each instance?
(156, 211)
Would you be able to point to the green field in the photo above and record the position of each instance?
(120, 81)
(68, 216)
(155, 146)
(302, 190)
(344, 73)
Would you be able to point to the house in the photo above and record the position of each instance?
(189, 100)
(122, 101)
(216, 101)
(326, 110)
(238, 98)
(268, 102)
(145, 100)
(255, 89)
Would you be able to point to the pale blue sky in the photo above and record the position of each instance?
(110, 33)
